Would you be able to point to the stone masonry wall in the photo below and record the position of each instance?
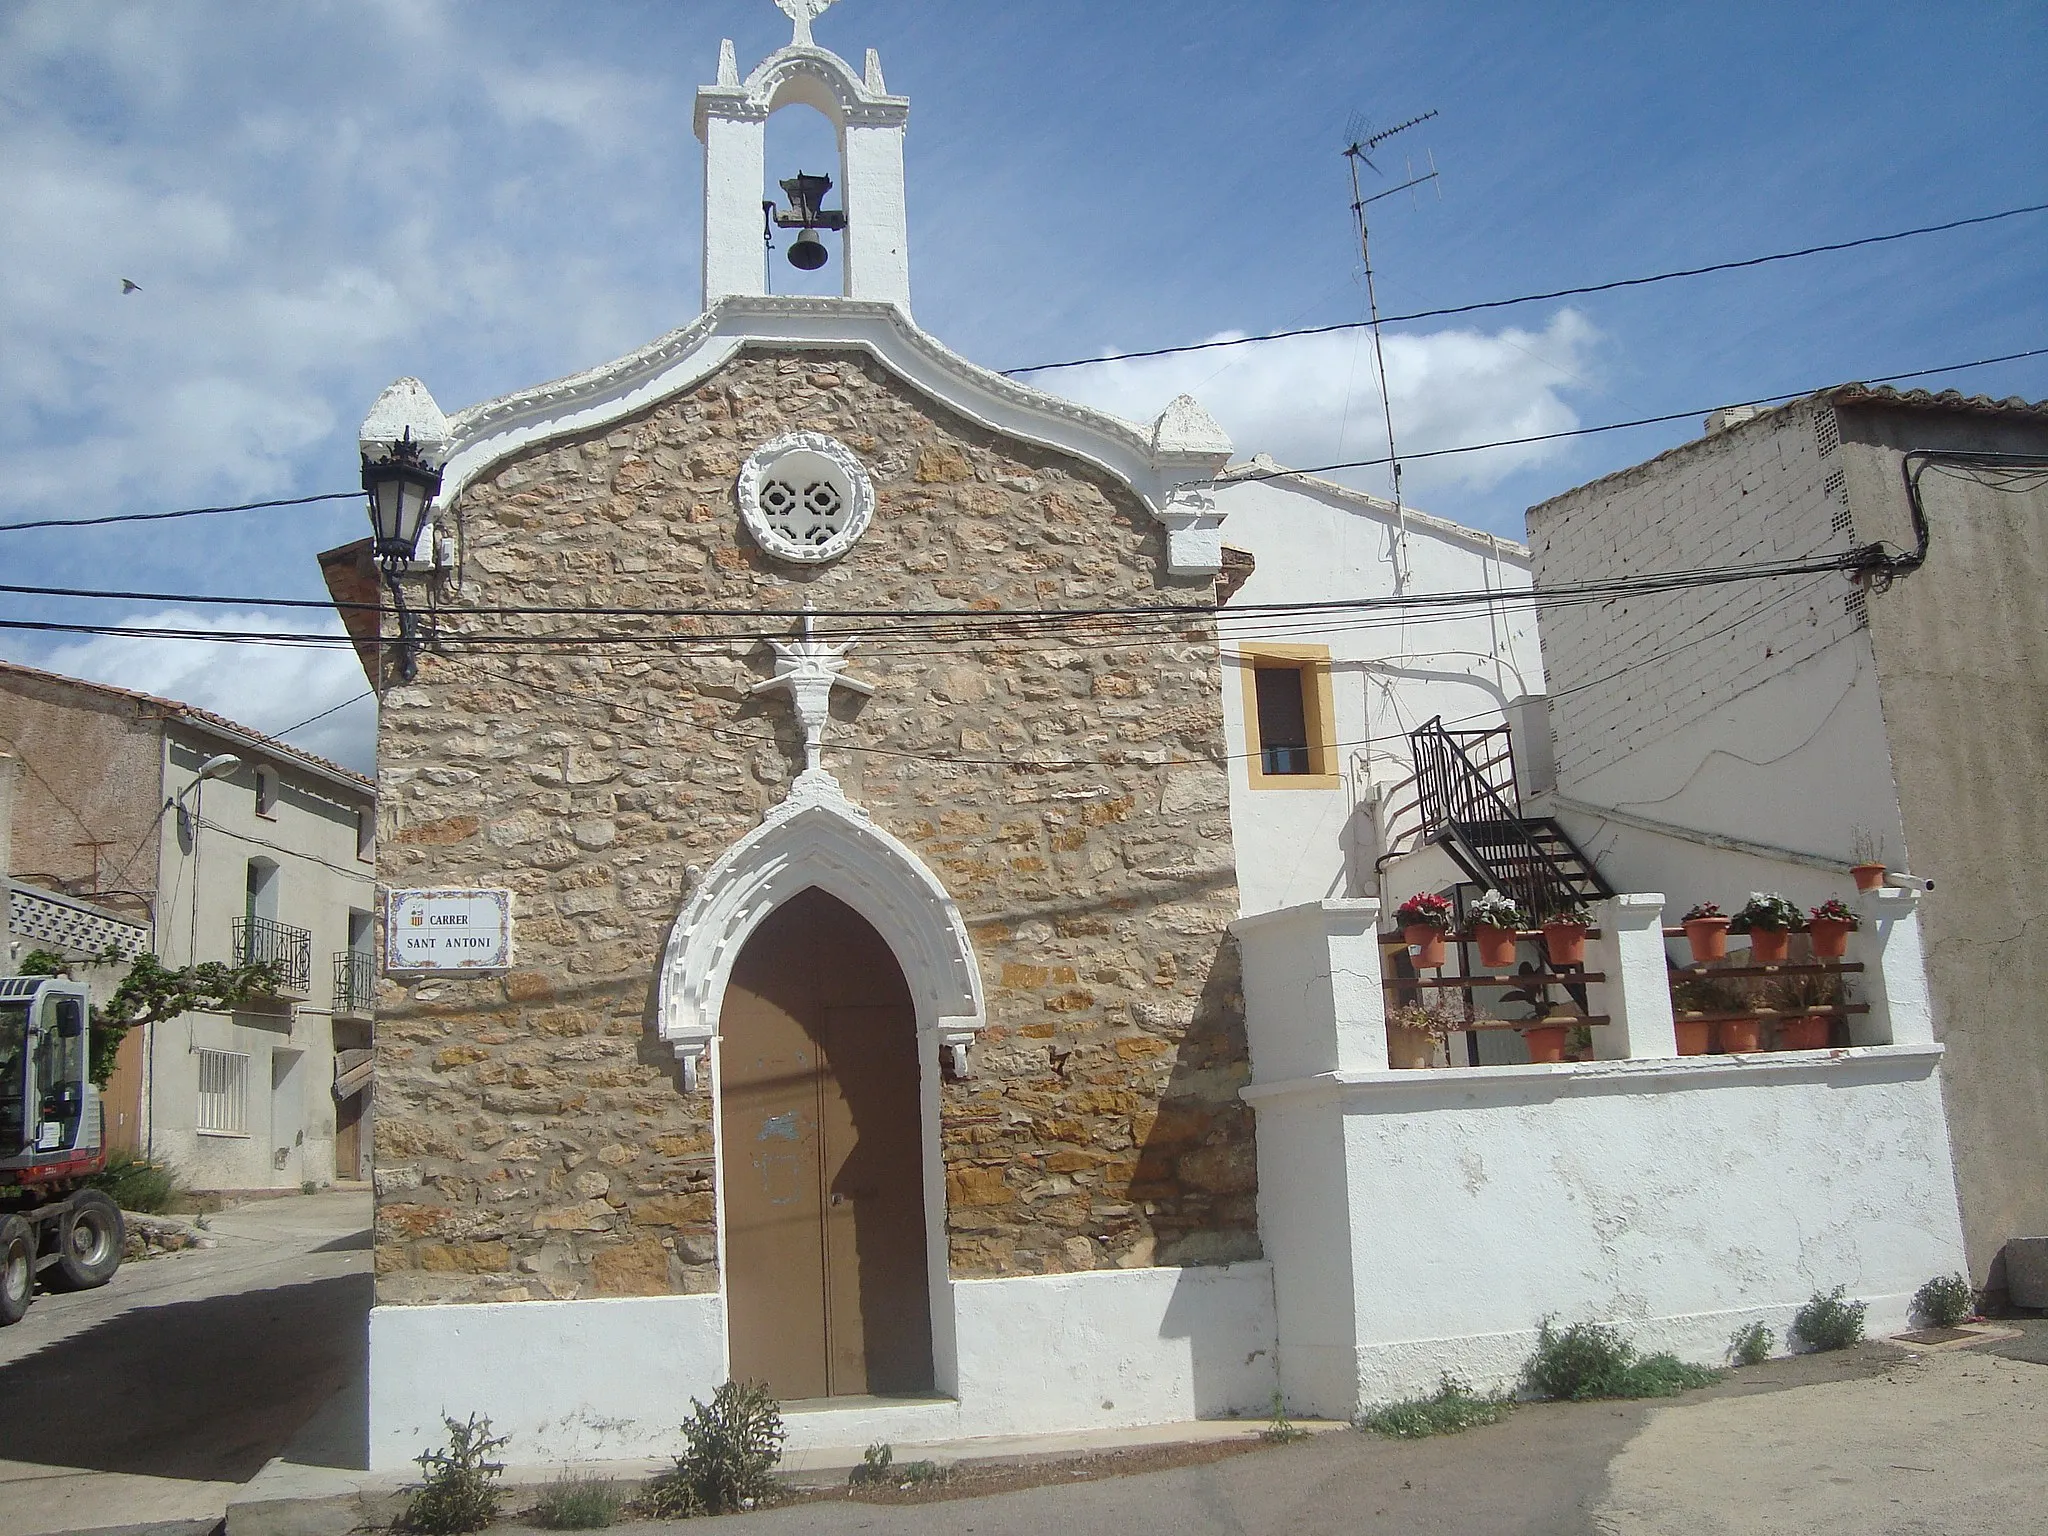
(1067, 785)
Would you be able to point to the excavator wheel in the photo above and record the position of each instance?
(90, 1238)
(17, 1268)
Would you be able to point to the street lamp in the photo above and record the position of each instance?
(401, 486)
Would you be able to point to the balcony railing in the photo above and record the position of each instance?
(259, 941)
(355, 983)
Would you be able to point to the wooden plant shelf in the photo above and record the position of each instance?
(1540, 978)
(1821, 968)
(1555, 1021)
(1392, 941)
(1767, 1015)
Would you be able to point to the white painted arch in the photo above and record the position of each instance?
(817, 837)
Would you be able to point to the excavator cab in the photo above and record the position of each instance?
(47, 1117)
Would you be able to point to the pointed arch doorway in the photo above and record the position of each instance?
(827, 1290)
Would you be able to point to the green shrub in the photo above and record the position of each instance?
(729, 1465)
(1590, 1360)
(1451, 1408)
(458, 1492)
(1751, 1344)
(1829, 1322)
(1944, 1301)
(578, 1504)
(878, 1467)
(137, 1184)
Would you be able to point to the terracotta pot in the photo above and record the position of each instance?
(1769, 946)
(1546, 1041)
(1868, 877)
(1695, 1036)
(1740, 1036)
(1830, 937)
(1496, 945)
(1708, 937)
(1410, 1050)
(1428, 944)
(1566, 943)
(1807, 1034)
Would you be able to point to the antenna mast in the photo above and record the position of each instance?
(1357, 152)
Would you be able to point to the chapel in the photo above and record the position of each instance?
(888, 767)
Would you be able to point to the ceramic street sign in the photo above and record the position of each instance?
(448, 931)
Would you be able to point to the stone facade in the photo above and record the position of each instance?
(1066, 784)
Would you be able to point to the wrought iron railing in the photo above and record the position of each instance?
(355, 982)
(1463, 776)
(259, 941)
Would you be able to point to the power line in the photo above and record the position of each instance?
(367, 693)
(161, 517)
(1619, 426)
(1533, 298)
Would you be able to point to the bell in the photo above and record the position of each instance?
(807, 252)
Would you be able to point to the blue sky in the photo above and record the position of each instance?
(319, 197)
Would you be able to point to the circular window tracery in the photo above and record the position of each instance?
(805, 497)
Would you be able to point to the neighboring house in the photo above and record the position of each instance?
(271, 856)
(1766, 734)
(981, 1028)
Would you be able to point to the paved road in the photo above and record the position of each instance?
(1868, 1442)
(157, 1396)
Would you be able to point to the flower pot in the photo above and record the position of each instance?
(1708, 937)
(1428, 944)
(1830, 937)
(1410, 1050)
(1769, 946)
(1565, 942)
(1496, 945)
(1695, 1036)
(1807, 1034)
(1739, 1036)
(1546, 1041)
(1868, 877)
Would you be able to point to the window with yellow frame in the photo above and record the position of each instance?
(1290, 718)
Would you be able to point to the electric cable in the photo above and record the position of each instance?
(160, 517)
(1533, 298)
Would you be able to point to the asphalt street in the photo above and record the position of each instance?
(154, 1398)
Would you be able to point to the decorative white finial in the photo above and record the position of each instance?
(808, 670)
(803, 13)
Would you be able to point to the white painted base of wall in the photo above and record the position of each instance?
(604, 1380)
(1676, 1199)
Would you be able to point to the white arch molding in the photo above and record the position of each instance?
(818, 837)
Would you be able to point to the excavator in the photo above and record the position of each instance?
(54, 1226)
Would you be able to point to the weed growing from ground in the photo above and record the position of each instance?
(879, 1468)
(734, 1444)
(458, 1490)
(1281, 1430)
(1751, 1344)
(1453, 1407)
(1944, 1301)
(578, 1504)
(1590, 1360)
(1829, 1322)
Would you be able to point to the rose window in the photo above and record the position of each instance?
(805, 497)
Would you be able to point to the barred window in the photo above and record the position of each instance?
(224, 1093)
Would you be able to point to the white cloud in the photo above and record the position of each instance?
(270, 688)
(1314, 400)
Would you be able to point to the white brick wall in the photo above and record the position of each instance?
(1756, 492)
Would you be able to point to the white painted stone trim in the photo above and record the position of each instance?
(485, 434)
(1473, 1085)
(851, 482)
(817, 837)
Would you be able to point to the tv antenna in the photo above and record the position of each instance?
(1359, 152)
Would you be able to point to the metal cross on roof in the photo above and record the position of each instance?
(803, 13)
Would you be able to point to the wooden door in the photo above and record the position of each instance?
(121, 1102)
(827, 1290)
(348, 1135)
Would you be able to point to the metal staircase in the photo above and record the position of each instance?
(1471, 807)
